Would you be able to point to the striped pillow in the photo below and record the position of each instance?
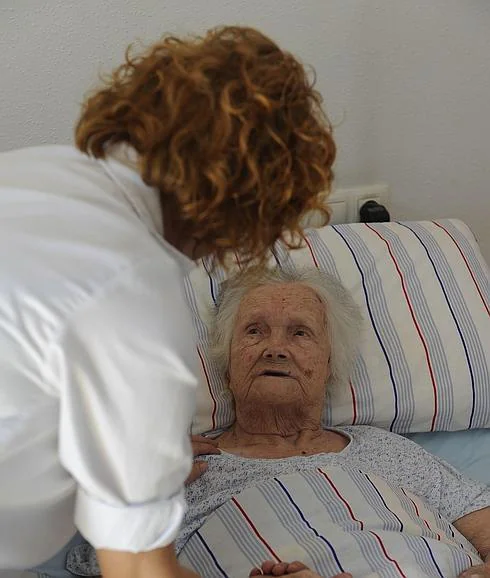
(424, 362)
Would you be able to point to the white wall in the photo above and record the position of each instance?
(408, 82)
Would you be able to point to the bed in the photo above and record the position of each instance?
(423, 371)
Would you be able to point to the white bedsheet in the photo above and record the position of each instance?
(334, 520)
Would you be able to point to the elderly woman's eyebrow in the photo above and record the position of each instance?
(307, 320)
(250, 319)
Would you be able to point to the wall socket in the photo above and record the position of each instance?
(346, 203)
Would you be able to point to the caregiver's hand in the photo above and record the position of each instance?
(200, 447)
(293, 569)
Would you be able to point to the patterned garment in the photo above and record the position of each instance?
(402, 496)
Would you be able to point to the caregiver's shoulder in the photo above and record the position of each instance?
(53, 166)
(39, 155)
(76, 198)
(58, 197)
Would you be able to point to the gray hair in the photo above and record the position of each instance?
(343, 317)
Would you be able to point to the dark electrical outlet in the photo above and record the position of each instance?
(373, 212)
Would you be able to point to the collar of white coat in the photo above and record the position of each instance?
(121, 163)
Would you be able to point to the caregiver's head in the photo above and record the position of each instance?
(282, 338)
(227, 127)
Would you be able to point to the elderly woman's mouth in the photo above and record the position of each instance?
(275, 373)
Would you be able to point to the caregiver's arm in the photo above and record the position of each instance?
(126, 368)
(160, 563)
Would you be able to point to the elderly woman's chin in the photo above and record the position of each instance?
(268, 396)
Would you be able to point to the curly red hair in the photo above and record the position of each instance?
(227, 124)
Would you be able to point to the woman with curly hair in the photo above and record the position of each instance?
(199, 146)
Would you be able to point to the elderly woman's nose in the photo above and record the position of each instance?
(276, 347)
(276, 354)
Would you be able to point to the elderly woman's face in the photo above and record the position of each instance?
(280, 349)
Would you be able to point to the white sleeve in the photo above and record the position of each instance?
(127, 365)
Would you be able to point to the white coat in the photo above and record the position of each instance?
(97, 358)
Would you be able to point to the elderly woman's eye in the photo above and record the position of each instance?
(301, 332)
(253, 330)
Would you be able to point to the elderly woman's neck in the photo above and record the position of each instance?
(280, 438)
(275, 428)
(296, 438)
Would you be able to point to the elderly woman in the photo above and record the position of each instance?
(280, 485)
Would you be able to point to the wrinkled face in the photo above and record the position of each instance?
(280, 348)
